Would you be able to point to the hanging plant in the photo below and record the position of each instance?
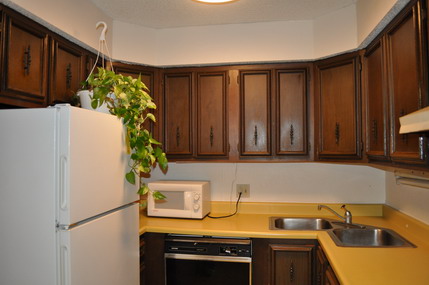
(128, 98)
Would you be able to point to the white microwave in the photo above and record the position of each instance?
(184, 199)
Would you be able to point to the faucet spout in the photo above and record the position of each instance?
(347, 215)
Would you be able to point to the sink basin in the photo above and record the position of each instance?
(368, 237)
(299, 224)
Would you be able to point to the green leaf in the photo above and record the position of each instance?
(131, 178)
(143, 190)
(158, 195)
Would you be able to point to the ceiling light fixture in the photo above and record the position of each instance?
(215, 1)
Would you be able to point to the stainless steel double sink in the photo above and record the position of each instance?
(346, 235)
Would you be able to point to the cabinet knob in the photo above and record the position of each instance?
(177, 136)
(291, 272)
(68, 76)
(291, 134)
(374, 130)
(337, 133)
(255, 135)
(27, 60)
(211, 136)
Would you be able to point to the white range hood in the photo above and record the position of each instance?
(417, 121)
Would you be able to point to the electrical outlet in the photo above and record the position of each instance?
(244, 189)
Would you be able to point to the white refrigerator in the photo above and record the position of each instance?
(67, 214)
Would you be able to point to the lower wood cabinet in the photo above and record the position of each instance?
(152, 270)
(325, 274)
(283, 261)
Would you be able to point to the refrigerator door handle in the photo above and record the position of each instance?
(63, 182)
(64, 266)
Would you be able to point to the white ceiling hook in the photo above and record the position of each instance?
(103, 32)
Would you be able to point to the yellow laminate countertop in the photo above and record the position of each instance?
(352, 265)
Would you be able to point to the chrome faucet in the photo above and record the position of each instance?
(347, 215)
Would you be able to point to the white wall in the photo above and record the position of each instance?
(271, 41)
(285, 182)
(413, 201)
(335, 32)
(369, 14)
(76, 18)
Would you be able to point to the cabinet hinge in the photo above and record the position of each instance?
(229, 80)
(238, 79)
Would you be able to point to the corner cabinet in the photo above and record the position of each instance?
(325, 275)
(407, 66)
(395, 84)
(337, 92)
(25, 62)
(283, 261)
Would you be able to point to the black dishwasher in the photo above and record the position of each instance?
(208, 260)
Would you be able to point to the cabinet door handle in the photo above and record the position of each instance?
(291, 272)
(374, 130)
(337, 133)
(68, 76)
(177, 136)
(255, 135)
(211, 136)
(404, 137)
(27, 60)
(291, 134)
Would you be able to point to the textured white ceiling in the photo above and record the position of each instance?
(181, 13)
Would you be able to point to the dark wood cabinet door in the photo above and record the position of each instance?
(291, 112)
(404, 51)
(67, 73)
(339, 108)
(212, 131)
(291, 264)
(255, 112)
(177, 114)
(375, 90)
(283, 261)
(25, 64)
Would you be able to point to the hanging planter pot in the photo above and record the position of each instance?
(85, 97)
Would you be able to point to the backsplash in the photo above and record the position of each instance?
(285, 182)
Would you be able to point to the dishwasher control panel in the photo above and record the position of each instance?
(203, 245)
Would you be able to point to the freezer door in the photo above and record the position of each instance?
(93, 160)
(103, 251)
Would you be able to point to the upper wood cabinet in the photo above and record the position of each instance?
(177, 98)
(375, 90)
(195, 108)
(212, 117)
(255, 112)
(291, 96)
(407, 85)
(25, 63)
(395, 84)
(337, 86)
(67, 70)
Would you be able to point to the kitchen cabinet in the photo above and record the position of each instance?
(337, 88)
(255, 112)
(212, 117)
(407, 80)
(325, 274)
(395, 84)
(375, 90)
(195, 108)
(152, 271)
(283, 261)
(178, 115)
(67, 70)
(291, 116)
(25, 62)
